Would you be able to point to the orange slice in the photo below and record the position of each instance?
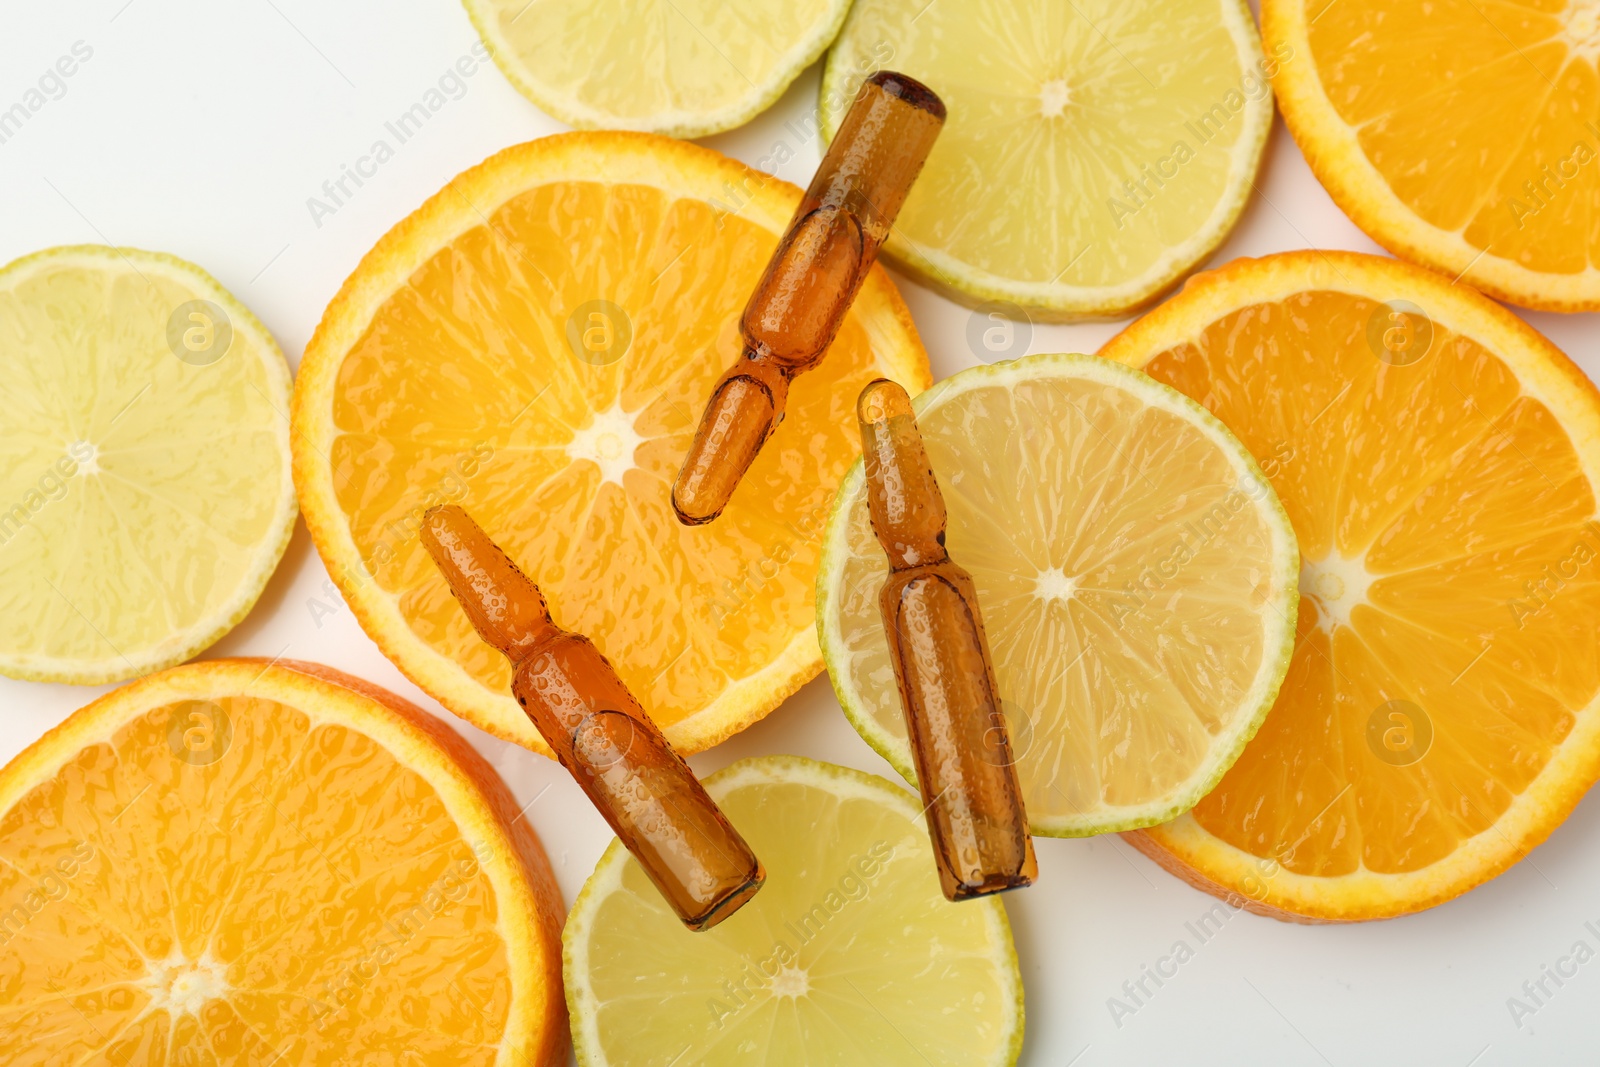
(1439, 461)
(247, 862)
(536, 343)
(1464, 136)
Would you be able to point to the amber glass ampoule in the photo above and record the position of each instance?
(652, 800)
(810, 282)
(941, 663)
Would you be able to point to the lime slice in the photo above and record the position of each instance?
(1095, 151)
(145, 491)
(685, 68)
(1138, 580)
(848, 955)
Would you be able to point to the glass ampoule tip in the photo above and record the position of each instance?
(502, 603)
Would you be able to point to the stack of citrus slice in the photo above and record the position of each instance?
(1439, 460)
(243, 862)
(1136, 575)
(535, 343)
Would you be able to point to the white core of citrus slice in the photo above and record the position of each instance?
(1138, 580)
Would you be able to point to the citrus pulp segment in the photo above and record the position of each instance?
(239, 861)
(535, 344)
(1094, 152)
(1136, 576)
(849, 954)
(1461, 136)
(145, 489)
(1439, 460)
(686, 68)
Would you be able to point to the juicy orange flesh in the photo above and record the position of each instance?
(465, 389)
(303, 895)
(1461, 500)
(1508, 98)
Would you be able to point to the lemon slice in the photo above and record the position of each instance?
(849, 954)
(685, 67)
(1095, 151)
(1138, 580)
(145, 488)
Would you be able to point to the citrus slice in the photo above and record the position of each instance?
(145, 489)
(1462, 136)
(1135, 573)
(1094, 152)
(248, 862)
(1439, 460)
(535, 344)
(849, 954)
(686, 68)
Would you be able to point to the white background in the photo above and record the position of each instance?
(202, 128)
